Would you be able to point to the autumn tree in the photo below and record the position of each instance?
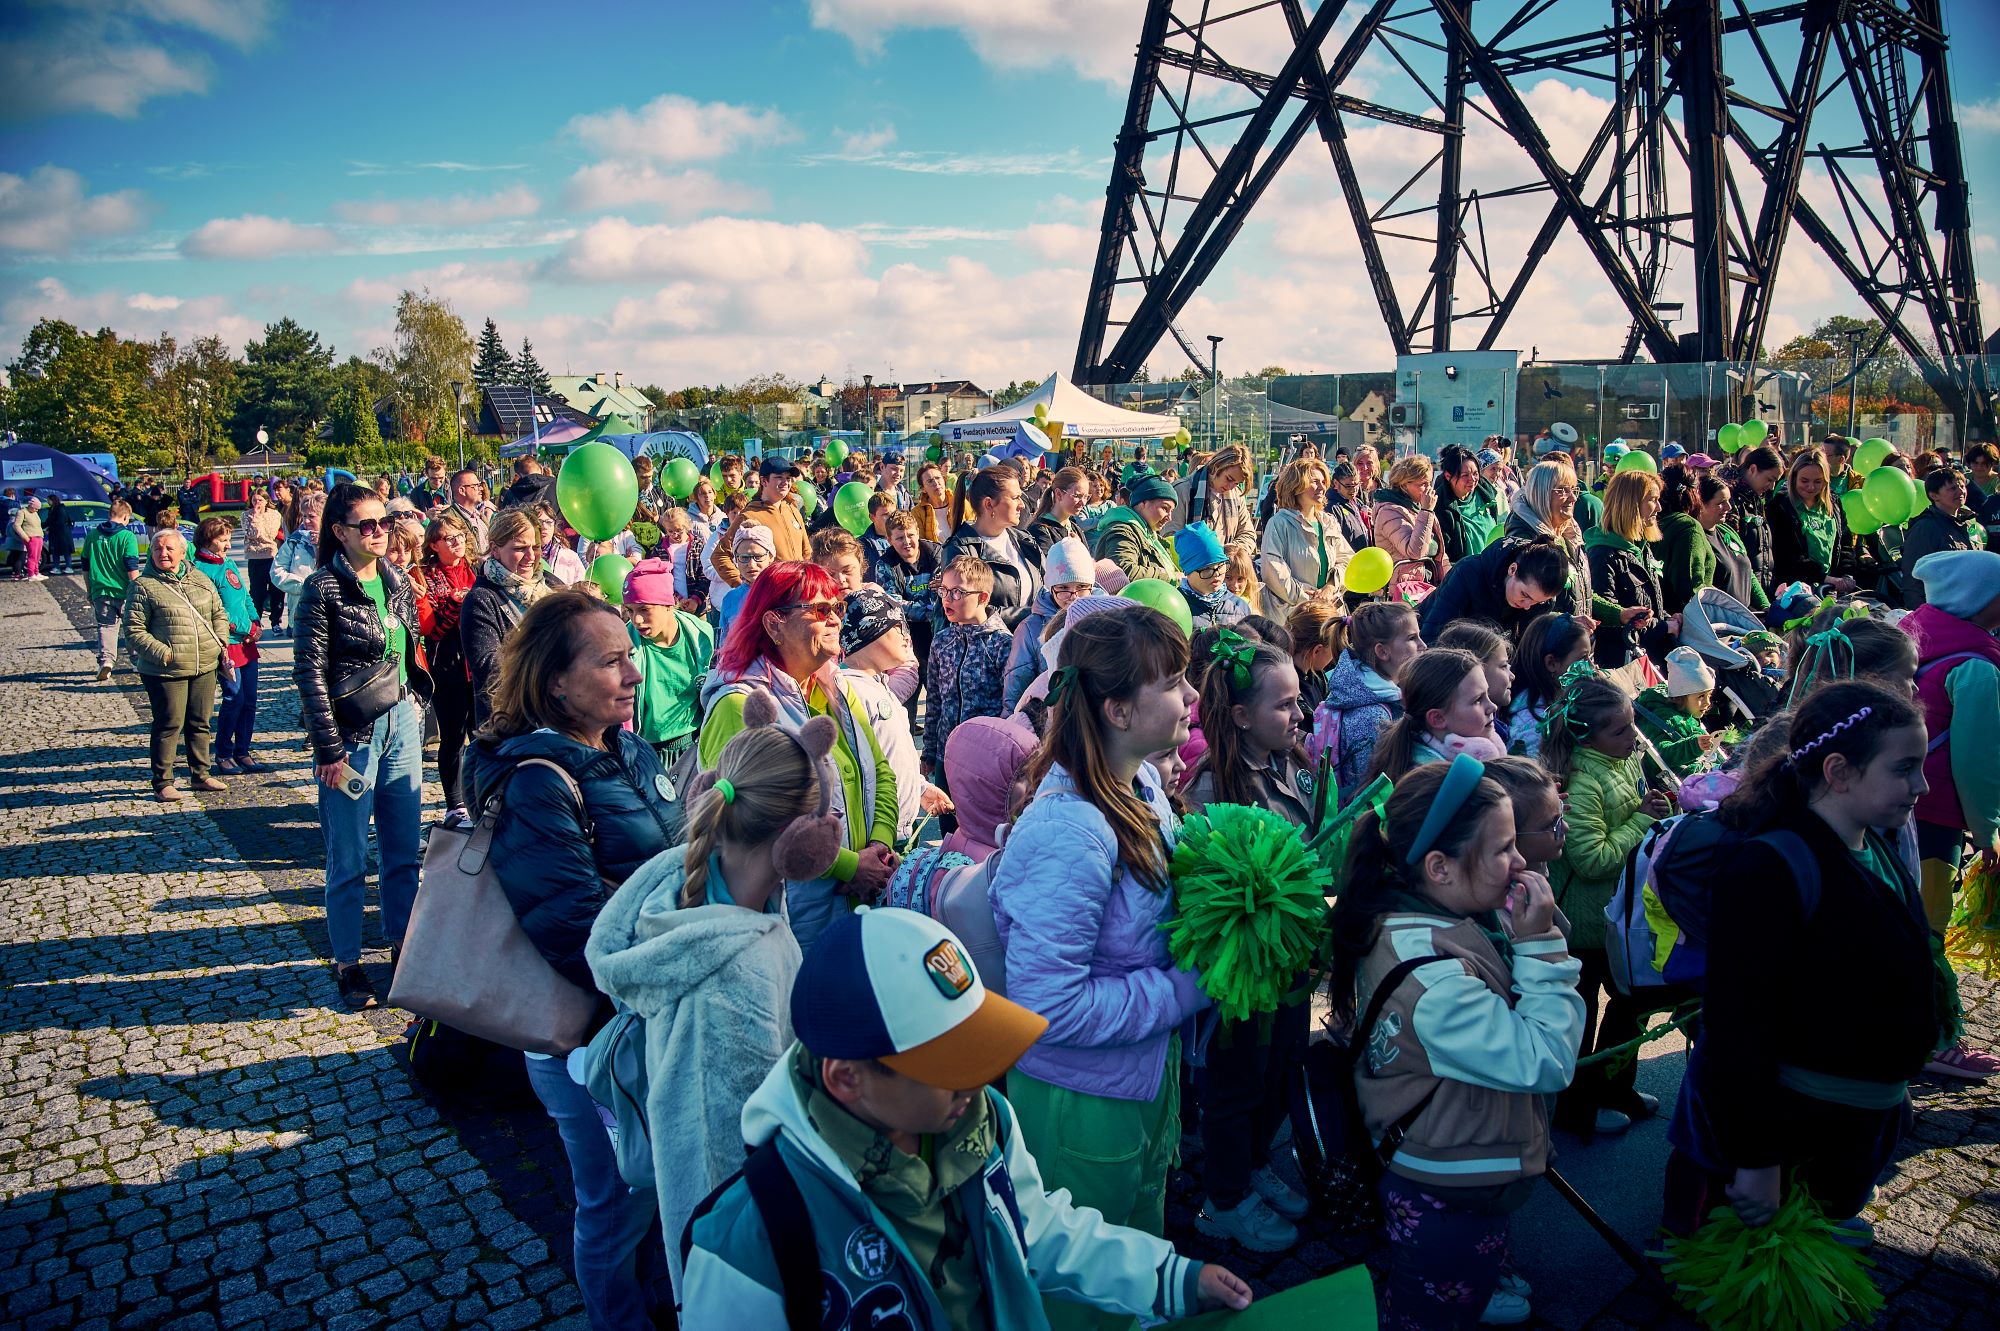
(84, 392)
(192, 391)
(432, 349)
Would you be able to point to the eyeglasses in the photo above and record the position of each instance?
(1565, 492)
(957, 594)
(1555, 831)
(823, 611)
(368, 526)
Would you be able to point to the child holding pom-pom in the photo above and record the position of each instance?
(1250, 710)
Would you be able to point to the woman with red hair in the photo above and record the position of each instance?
(784, 643)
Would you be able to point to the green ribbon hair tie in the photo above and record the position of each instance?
(1460, 780)
(1061, 681)
(1563, 711)
(727, 791)
(1820, 658)
(1232, 649)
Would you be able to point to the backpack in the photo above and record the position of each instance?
(953, 890)
(614, 1072)
(462, 1068)
(1674, 869)
(1338, 1162)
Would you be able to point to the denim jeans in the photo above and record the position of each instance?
(236, 716)
(110, 616)
(392, 762)
(612, 1219)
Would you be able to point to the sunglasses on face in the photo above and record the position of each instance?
(368, 526)
(820, 610)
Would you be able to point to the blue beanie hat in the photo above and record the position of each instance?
(1960, 582)
(1197, 547)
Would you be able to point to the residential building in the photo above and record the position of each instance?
(605, 395)
(926, 406)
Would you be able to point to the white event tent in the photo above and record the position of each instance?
(1081, 415)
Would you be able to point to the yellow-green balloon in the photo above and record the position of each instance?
(850, 506)
(1638, 460)
(597, 491)
(836, 452)
(1164, 597)
(1859, 520)
(1369, 571)
(609, 573)
(1754, 432)
(1872, 454)
(808, 494)
(1892, 497)
(1729, 438)
(681, 478)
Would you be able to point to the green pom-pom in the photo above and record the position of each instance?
(647, 535)
(1250, 907)
(1790, 1273)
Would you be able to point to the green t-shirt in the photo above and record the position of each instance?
(107, 562)
(395, 636)
(669, 701)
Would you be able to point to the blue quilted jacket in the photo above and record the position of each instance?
(1085, 948)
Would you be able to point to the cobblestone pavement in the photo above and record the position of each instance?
(199, 1135)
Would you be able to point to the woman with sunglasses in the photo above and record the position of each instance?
(784, 643)
(359, 664)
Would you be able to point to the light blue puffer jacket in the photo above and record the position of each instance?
(1085, 935)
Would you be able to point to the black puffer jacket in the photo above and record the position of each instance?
(485, 618)
(556, 868)
(1629, 576)
(1476, 589)
(338, 633)
(1752, 520)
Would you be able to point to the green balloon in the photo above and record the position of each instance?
(1892, 497)
(681, 478)
(808, 495)
(597, 491)
(1859, 520)
(609, 573)
(1164, 597)
(1872, 454)
(836, 452)
(1754, 432)
(850, 506)
(1638, 460)
(1729, 438)
(935, 453)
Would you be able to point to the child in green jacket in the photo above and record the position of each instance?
(1591, 744)
(1670, 714)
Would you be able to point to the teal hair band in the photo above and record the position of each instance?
(1460, 780)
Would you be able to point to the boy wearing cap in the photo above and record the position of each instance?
(1201, 554)
(774, 510)
(912, 1200)
(672, 650)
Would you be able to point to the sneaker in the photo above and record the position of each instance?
(356, 990)
(168, 794)
(104, 674)
(1279, 1195)
(207, 782)
(1609, 1123)
(1513, 1282)
(1963, 1064)
(1251, 1223)
(1504, 1309)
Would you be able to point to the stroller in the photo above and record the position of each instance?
(1712, 623)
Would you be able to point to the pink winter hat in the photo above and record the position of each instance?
(651, 582)
(981, 759)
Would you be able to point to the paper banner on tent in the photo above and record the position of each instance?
(1343, 1301)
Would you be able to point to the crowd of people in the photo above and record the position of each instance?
(868, 833)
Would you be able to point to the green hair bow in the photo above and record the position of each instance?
(1564, 710)
(1061, 681)
(1232, 649)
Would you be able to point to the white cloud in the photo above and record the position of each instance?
(458, 210)
(1061, 242)
(1983, 116)
(53, 75)
(473, 289)
(50, 209)
(137, 314)
(255, 237)
(1096, 37)
(1069, 162)
(729, 249)
(241, 23)
(673, 128)
(865, 142)
(675, 194)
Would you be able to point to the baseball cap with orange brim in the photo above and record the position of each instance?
(899, 987)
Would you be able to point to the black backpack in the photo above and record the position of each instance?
(1338, 1161)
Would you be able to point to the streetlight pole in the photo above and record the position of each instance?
(458, 396)
(867, 410)
(1214, 391)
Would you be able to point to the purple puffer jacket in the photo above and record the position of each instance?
(1084, 946)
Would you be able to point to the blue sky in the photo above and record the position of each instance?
(688, 192)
